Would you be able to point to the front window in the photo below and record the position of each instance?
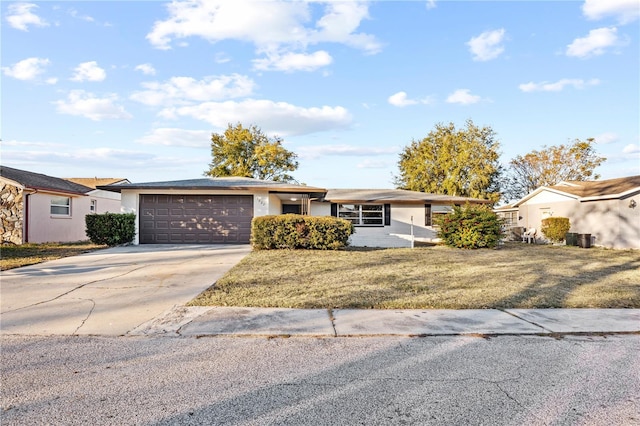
(93, 206)
(432, 212)
(362, 214)
(61, 206)
(510, 218)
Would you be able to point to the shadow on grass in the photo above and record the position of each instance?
(514, 276)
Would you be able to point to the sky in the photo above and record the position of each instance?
(134, 89)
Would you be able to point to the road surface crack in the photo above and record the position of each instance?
(87, 317)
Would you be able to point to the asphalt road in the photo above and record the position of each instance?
(506, 380)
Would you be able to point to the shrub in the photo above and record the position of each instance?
(555, 228)
(470, 227)
(111, 229)
(300, 232)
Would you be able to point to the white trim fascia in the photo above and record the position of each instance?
(541, 189)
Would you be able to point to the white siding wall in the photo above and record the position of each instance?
(398, 234)
(611, 223)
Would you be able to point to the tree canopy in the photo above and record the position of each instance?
(550, 166)
(248, 152)
(459, 162)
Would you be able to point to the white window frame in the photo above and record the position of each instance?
(361, 209)
(66, 206)
(93, 206)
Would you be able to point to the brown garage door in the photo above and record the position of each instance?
(196, 219)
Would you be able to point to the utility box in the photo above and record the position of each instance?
(571, 238)
(584, 240)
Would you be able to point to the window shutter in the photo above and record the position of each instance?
(334, 209)
(387, 214)
(427, 214)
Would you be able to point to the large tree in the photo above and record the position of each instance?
(460, 162)
(549, 166)
(248, 152)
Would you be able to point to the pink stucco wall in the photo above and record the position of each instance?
(43, 227)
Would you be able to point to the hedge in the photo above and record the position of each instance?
(111, 229)
(555, 228)
(293, 231)
(470, 227)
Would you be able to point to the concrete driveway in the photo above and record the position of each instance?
(111, 291)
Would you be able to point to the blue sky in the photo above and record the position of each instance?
(135, 89)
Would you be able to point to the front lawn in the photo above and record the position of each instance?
(514, 276)
(15, 256)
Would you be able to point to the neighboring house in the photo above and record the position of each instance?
(220, 210)
(37, 208)
(609, 210)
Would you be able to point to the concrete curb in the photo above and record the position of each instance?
(239, 321)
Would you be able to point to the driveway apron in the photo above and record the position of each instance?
(111, 291)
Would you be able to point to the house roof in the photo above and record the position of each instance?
(221, 183)
(94, 182)
(393, 195)
(591, 190)
(38, 181)
(599, 188)
(505, 208)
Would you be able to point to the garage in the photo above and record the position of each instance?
(195, 219)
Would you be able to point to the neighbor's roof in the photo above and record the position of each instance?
(392, 195)
(591, 190)
(599, 188)
(220, 183)
(94, 182)
(37, 181)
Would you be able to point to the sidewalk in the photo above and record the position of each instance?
(237, 321)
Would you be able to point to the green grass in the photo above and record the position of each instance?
(514, 276)
(15, 256)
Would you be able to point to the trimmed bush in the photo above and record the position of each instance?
(111, 229)
(293, 231)
(555, 228)
(470, 227)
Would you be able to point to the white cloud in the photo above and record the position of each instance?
(146, 69)
(290, 61)
(317, 151)
(20, 16)
(625, 10)
(400, 99)
(594, 44)
(487, 45)
(557, 86)
(606, 138)
(28, 143)
(281, 30)
(74, 13)
(279, 118)
(464, 97)
(631, 149)
(167, 136)
(51, 80)
(221, 58)
(339, 24)
(182, 89)
(88, 71)
(431, 4)
(87, 105)
(27, 69)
